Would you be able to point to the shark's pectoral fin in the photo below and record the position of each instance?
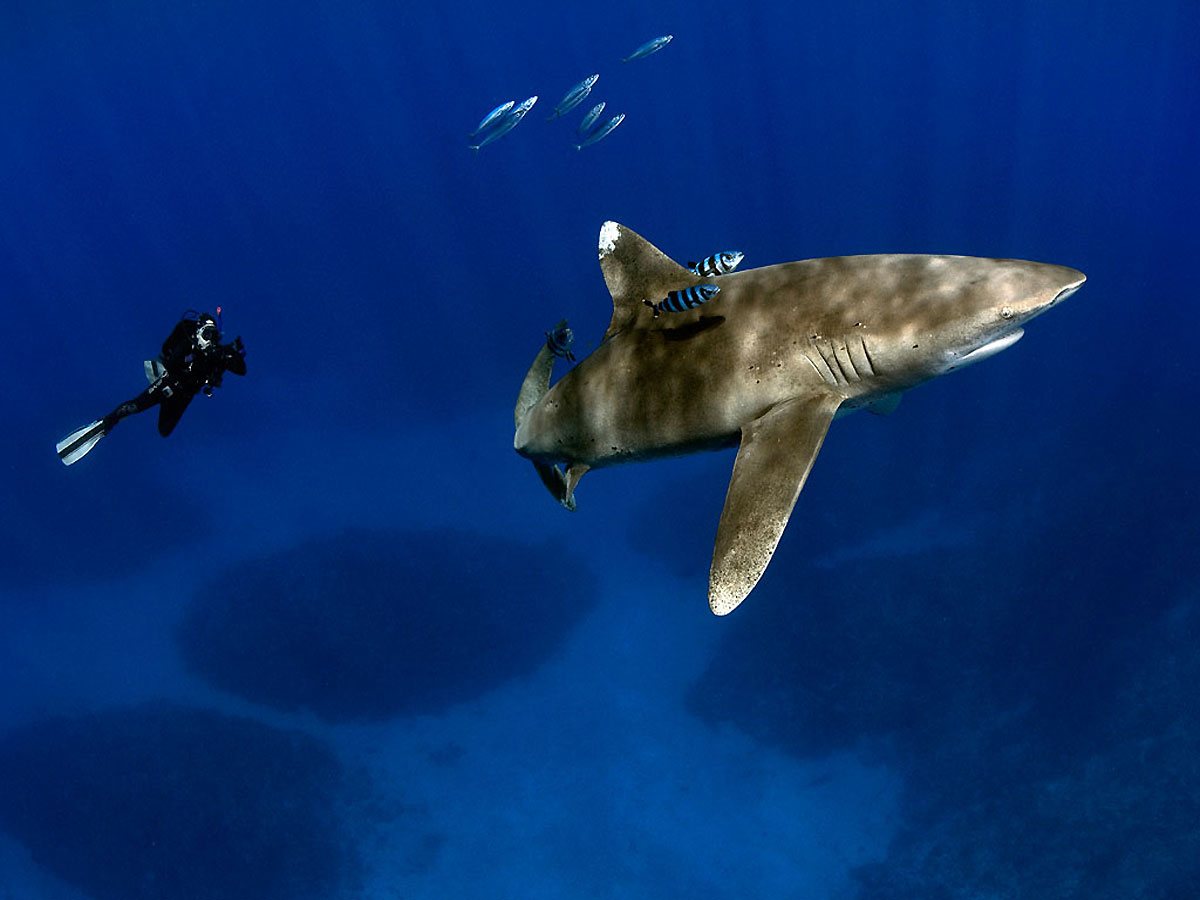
(775, 456)
(557, 483)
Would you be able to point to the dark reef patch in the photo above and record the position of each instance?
(1115, 821)
(162, 802)
(69, 527)
(1034, 684)
(373, 624)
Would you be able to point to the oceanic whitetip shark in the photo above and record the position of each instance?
(765, 365)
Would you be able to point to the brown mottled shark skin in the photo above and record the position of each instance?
(765, 365)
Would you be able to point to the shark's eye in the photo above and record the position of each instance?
(1006, 312)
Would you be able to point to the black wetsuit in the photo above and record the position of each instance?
(190, 369)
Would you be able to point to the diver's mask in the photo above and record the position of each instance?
(206, 333)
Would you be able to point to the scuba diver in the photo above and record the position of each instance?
(193, 360)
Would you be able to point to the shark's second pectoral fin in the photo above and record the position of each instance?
(885, 405)
(775, 456)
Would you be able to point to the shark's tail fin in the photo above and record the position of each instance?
(560, 485)
(535, 385)
(533, 389)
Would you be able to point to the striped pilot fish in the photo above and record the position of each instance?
(573, 97)
(589, 120)
(599, 134)
(503, 123)
(718, 264)
(490, 119)
(686, 298)
(651, 46)
(560, 341)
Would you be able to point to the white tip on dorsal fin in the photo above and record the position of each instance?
(636, 270)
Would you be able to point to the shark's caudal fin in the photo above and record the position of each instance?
(533, 388)
(535, 385)
(636, 270)
(773, 461)
(559, 485)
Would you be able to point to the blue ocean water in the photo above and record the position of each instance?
(333, 639)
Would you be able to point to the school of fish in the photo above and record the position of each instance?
(591, 129)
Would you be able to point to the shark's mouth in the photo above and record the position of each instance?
(991, 348)
(1068, 291)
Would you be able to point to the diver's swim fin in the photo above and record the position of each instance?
(75, 446)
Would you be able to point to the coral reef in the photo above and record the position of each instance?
(162, 802)
(373, 624)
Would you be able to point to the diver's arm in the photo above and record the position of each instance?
(233, 357)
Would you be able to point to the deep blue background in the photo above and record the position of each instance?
(305, 166)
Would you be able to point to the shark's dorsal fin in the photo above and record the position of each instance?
(775, 456)
(636, 270)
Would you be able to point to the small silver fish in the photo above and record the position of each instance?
(526, 106)
(718, 264)
(573, 97)
(598, 134)
(507, 123)
(685, 298)
(488, 120)
(560, 341)
(649, 47)
(593, 115)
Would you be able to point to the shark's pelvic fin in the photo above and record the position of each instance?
(774, 459)
(636, 270)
